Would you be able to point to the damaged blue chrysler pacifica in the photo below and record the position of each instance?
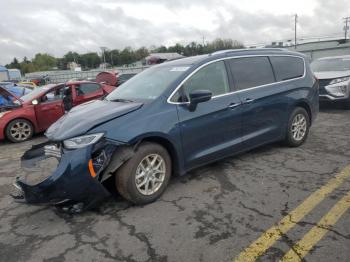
(169, 119)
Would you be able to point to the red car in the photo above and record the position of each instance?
(36, 111)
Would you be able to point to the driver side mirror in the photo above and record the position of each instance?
(35, 102)
(198, 96)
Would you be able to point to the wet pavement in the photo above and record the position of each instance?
(211, 214)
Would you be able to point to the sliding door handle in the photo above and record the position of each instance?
(248, 101)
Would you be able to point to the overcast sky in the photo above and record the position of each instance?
(56, 27)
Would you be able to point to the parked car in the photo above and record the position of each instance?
(172, 118)
(7, 100)
(29, 85)
(15, 89)
(44, 105)
(334, 78)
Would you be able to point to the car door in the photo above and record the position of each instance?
(49, 108)
(264, 101)
(213, 129)
(85, 92)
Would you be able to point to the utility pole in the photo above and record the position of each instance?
(295, 30)
(346, 27)
(111, 58)
(103, 49)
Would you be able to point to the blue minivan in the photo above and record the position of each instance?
(172, 118)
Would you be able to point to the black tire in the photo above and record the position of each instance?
(292, 139)
(25, 127)
(126, 175)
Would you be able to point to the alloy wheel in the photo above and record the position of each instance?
(150, 174)
(20, 131)
(299, 126)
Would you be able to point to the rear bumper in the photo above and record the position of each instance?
(71, 182)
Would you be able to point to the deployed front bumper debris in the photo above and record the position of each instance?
(68, 178)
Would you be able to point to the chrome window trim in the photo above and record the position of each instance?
(236, 91)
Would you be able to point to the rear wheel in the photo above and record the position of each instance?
(19, 130)
(298, 127)
(144, 177)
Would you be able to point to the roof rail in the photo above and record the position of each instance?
(247, 49)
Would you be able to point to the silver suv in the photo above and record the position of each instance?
(334, 78)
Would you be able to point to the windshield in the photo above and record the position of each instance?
(147, 85)
(35, 93)
(334, 64)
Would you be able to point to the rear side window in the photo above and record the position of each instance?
(251, 71)
(287, 67)
(87, 88)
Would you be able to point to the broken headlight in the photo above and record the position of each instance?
(339, 80)
(82, 141)
(337, 90)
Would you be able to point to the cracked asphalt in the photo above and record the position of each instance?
(211, 214)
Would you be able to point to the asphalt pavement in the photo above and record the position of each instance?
(273, 203)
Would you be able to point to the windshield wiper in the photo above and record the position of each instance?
(121, 100)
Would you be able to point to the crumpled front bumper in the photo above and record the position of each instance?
(74, 181)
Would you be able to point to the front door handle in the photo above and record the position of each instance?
(234, 105)
(248, 101)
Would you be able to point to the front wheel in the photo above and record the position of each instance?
(19, 130)
(144, 177)
(298, 127)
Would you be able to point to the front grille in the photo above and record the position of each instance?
(322, 84)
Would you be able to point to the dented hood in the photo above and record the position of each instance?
(87, 116)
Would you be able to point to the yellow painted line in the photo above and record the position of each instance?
(269, 237)
(302, 248)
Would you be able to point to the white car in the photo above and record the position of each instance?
(333, 74)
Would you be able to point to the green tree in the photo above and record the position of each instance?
(14, 64)
(89, 60)
(141, 53)
(178, 48)
(161, 49)
(126, 56)
(28, 67)
(44, 61)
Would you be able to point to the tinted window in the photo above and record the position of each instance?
(251, 71)
(84, 89)
(287, 67)
(212, 77)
